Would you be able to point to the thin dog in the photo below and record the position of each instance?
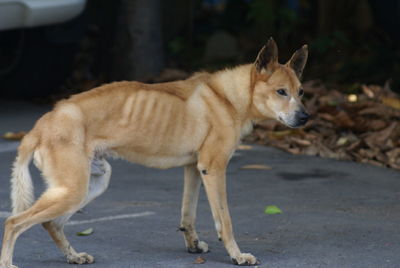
(196, 123)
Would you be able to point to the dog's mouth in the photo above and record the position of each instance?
(280, 119)
(296, 124)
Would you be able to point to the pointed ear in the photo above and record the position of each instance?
(298, 61)
(267, 56)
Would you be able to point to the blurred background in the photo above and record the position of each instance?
(352, 78)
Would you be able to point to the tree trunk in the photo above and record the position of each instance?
(138, 49)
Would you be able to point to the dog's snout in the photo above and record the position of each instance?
(302, 117)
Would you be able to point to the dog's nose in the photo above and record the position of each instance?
(302, 117)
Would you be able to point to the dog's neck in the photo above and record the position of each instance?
(235, 85)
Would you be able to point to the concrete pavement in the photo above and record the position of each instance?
(335, 213)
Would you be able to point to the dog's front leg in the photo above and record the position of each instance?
(212, 166)
(189, 206)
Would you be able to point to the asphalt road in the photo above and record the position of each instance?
(335, 213)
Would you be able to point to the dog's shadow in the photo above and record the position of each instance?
(315, 174)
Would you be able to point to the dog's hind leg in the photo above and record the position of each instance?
(55, 228)
(99, 179)
(100, 174)
(53, 203)
(67, 170)
(189, 206)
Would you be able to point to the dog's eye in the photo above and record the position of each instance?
(301, 92)
(281, 92)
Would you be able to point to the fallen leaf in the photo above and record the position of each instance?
(373, 162)
(324, 151)
(199, 260)
(352, 98)
(344, 120)
(301, 142)
(381, 110)
(311, 150)
(376, 124)
(392, 102)
(14, 135)
(86, 232)
(394, 158)
(354, 145)
(244, 147)
(256, 166)
(342, 141)
(294, 150)
(280, 134)
(395, 153)
(327, 116)
(379, 137)
(270, 210)
(367, 91)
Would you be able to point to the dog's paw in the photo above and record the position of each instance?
(80, 258)
(199, 247)
(245, 259)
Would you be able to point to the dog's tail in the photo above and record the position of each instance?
(22, 195)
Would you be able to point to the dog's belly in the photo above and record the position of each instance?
(155, 161)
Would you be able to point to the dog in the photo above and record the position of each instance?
(196, 123)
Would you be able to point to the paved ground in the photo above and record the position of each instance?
(335, 214)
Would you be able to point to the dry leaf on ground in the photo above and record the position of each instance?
(261, 167)
(199, 260)
(14, 135)
(244, 147)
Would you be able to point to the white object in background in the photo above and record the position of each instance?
(29, 13)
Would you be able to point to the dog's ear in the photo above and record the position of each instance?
(298, 60)
(267, 57)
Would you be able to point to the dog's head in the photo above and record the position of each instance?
(277, 89)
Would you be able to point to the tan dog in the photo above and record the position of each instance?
(196, 123)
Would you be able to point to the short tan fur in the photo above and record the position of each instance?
(196, 123)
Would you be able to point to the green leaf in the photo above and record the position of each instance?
(270, 210)
(86, 232)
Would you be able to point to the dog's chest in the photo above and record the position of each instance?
(246, 128)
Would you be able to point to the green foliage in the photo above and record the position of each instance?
(272, 17)
(344, 47)
(323, 43)
(263, 13)
(177, 45)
